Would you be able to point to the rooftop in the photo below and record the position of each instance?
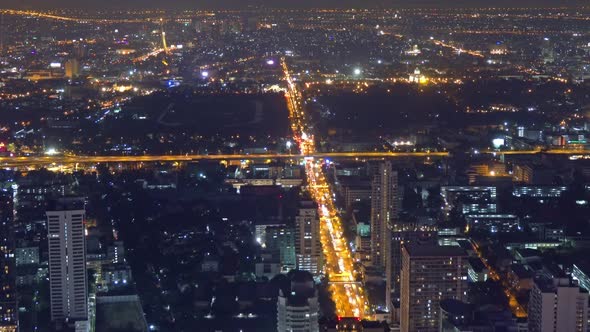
(476, 264)
(429, 250)
(547, 285)
(66, 204)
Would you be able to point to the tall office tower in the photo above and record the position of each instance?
(308, 248)
(430, 274)
(297, 305)
(8, 301)
(557, 305)
(67, 260)
(384, 211)
(72, 67)
(281, 239)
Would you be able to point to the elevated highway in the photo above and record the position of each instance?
(87, 159)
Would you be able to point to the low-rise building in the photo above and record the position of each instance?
(116, 275)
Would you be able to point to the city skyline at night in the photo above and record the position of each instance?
(294, 166)
(234, 4)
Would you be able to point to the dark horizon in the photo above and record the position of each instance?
(237, 4)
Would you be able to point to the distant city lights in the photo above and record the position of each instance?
(51, 152)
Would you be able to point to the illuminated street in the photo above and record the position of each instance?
(345, 284)
(59, 159)
(517, 309)
(307, 144)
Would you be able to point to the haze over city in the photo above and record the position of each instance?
(229, 4)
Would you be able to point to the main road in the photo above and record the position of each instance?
(345, 286)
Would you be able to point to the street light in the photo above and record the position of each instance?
(357, 71)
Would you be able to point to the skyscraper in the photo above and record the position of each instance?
(8, 301)
(430, 274)
(384, 211)
(67, 260)
(407, 233)
(298, 306)
(308, 248)
(557, 305)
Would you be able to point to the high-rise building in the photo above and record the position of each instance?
(72, 67)
(384, 211)
(430, 274)
(67, 260)
(308, 248)
(383, 190)
(557, 305)
(298, 306)
(281, 239)
(8, 301)
(406, 234)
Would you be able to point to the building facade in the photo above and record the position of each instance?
(308, 248)
(67, 261)
(281, 239)
(430, 274)
(26, 255)
(384, 213)
(8, 300)
(399, 236)
(298, 306)
(558, 305)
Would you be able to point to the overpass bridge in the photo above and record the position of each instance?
(74, 159)
(96, 159)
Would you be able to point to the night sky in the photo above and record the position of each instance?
(181, 4)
